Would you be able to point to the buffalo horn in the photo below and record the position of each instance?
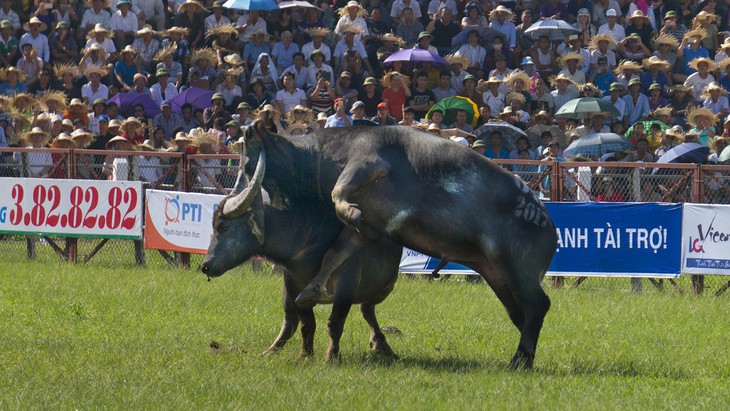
(236, 206)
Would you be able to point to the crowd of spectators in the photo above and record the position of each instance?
(64, 61)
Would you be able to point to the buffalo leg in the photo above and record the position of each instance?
(288, 328)
(309, 326)
(346, 244)
(353, 179)
(378, 343)
(335, 326)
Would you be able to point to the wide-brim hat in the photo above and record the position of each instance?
(183, 31)
(710, 63)
(95, 70)
(131, 122)
(393, 38)
(95, 47)
(722, 65)
(63, 141)
(182, 137)
(661, 111)
(81, 133)
(224, 29)
(147, 29)
(128, 50)
(638, 14)
(191, 3)
(169, 50)
(656, 61)
(501, 9)
(714, 86)
(352, 28)
(317, 31)
(627, 65)
(147, 146)
(516, 96)
(60, 69)
(561, 76)
(199, 137)
(205, 53)
(23, 96)
(58, 96)
(602, 37)
(701, 33)
(361, 10)
(37, 133)
(592, 87)
(116, 139)
(322, 116)
(234, 59)
(458, 59)
(571, 56)
(518, 75)
(493, 80)
(666, 39)
(12, 69)
(99, 28)
(35, 20)
(703, 15)
(701, 111)
(541, 113)
(234, 72)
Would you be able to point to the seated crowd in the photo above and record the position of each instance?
(183, 75)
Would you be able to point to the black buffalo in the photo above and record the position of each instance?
(297, 236)
(426, 193)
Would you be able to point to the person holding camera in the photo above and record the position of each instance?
(211, 114)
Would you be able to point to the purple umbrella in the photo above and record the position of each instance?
(196, 96)
(416, 55)
(127, 101)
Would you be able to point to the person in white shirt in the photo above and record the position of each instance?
(612, 28)
(163, 89)
(248, 24)
(96, 14)
(124, 23)
(149, 167)
(34, 36)
(353, 14)
(571, 68)
(615, 92)
(434, 6)
(318, 65)
(317, 34)
(301, 75)
(217, 18)
(94, 89)
(475, 53)
(493, 98)
(149, 11)
(7, 13)
(290, 96)
(101, 36)
(702, 78)
(398, 6)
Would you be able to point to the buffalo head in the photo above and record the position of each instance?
(238, 223)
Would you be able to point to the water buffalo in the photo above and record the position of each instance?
(297, 236)
(425, 193)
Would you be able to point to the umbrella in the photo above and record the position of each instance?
(127, 101)
(416, 55)
(555, 29)
(647, 126)
(453, 104)
(264, 5)
(196, 96)
(725, 155)
(486, 35)
(597, 144)
(509, 133)
(685, 153)
(297, 3)
(585, 107)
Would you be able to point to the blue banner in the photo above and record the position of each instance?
(617, 239)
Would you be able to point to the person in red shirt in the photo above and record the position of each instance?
(133, 130)
(397, 90)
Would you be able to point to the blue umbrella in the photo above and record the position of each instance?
(556, 30)
(597, 144)
(486, 35)
(196, 96)
(264, 5)
(127, 101)
(685, 153)
(416, 55)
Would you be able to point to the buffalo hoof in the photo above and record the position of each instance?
(271, 351)
(312, 295)
(521, 361)
(332, 358)
(382, 348)
(304, 356)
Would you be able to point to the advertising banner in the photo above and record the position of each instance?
(706, 239)
(177, 221)
(415, 262)
(71, 208)
(617, 239)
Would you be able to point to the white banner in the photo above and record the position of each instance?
(71, 208)
(415, 262)
(706, 239)
(177, 221)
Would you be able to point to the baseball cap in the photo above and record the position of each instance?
(103, 117)
(358, 104)
(165, 103)
(610, 13)
(382, 105)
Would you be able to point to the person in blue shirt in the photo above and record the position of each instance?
(691, 51)
(602, 77)
(495, 150)
(340, 118)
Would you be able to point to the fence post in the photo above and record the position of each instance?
(72, 243)
(556, 194)
(185, 186)
(698, 281)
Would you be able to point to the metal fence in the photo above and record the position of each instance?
(216, 174)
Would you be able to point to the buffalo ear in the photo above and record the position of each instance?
(277, 201)
(255, 219)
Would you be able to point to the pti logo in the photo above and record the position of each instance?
(176, 211)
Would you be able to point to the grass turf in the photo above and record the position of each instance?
(89, 337)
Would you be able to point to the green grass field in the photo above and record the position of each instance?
(96, 336)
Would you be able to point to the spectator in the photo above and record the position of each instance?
(12, 81)
(36, 38)
(495, 150)
(476, 55)
(266, 73)
(562, 93)
(290, 96)
(409, 27)
(11, 16)
(284, 51)
(249, 24)
(94, 89)
(62, 44)
(637, 104)
(167, 120)
(397, 90)
(501, 20)
(317, 34)
(190, 15)
(150, 12)
(217, 18)
(187, 120)
(124, 24)
(602, 44)
(692, 52)
(493, 98)
(383, 116)
(210, 115)
(702, 77)
(444, 29)
(103, 37)
(259, 96)
(231, 91)
(656, 100)
(340, 118)
(444, 89)
(703, 123)
(30, 64)
(347, 44)
(149, 166)
(353, 14)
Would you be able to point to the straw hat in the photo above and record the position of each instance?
(317, 31)
(571, 56)
(666, 39)
(541, 113)
(147, 29)
(30, 99)
(518, 75)
(710, 63)
(101, 71)
(37, 134)
(493, 80)
(388, 79)
(224, 29)
(147, 146)
(701, 33)
(63, 141)
(234, 60)
(351, 28)
(713, 87)
(501, 9)
(516, 96)
(58, 96)
(703, 15)
(661, 111)
(200, 137)
(35, 20)
(656, 61)
(191, 4)
(183, 31)
(701, 111)
(627, 65)
(458, 59)
(60, 69)
(99, 29)
(12, 69)
(205, 53)
(235, 72)
(393, 38)
(638, 14)
(592, 87)
(322, 117)
(260, 32)
(561, 76)
(602, 37)
(722, 66)
(181, 137)
(131, 122)
(80, 133)
(128, 50)
(676, 132)
(169, 50)
(297, 128)
(117, 139)
(342, 12)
